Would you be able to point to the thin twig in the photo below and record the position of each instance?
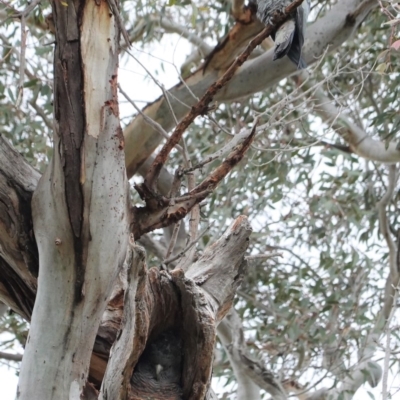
(194, 38)
(174, 237)
(41, 113)
(386, 359)
(235, 141)
(27, 10)
(383, 219)
(227, 165)
(24, 34)
(114, 9)
(176, 183)
(193, 225)
(189, 246)
(263, 256)
(155, 125)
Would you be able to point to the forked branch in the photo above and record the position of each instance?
(161, 211)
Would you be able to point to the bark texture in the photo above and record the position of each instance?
(18, 252)
(164, 349)
(80, 207)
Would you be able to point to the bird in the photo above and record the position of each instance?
(289, 38)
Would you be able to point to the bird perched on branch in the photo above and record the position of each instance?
(289, 37)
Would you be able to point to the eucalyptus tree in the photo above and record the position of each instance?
(125, 286)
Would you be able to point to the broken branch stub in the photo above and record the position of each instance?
(165, 347)
(227, 165)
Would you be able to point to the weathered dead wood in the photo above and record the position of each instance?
(116, 384)
(165, 347)
(18, 251)
(227, 165)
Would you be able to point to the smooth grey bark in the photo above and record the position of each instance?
(250, 373)
(10, 356)
(359, 141)
(246, 389)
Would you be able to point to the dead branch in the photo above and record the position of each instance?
(227, 165)
(164, 348)
(114, 9)
(161, 211)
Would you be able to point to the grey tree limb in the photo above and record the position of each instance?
(328, 32)
(360, 142)
(251, 375)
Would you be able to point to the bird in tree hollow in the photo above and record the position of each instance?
(289, 37)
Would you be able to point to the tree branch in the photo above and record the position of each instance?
(10, 356)
(360, 142)
(19, 255)
(366, 370)
(230, 332)
(161, 211)
(330, 30)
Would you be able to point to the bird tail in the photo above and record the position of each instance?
(289, 40)
(284, 38)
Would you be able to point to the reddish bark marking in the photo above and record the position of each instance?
(238, 222)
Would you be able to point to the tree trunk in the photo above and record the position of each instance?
(80, 207)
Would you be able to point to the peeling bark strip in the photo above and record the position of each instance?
(246, 27)
(80, 206)
(165, 347)
(69, 108)
(69, 114)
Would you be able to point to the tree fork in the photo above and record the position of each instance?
(165, 347)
